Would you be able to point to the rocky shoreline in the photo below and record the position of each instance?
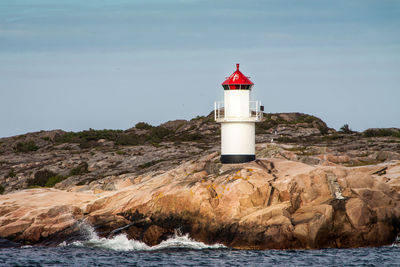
(311, 187)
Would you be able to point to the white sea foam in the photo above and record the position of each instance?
(397, 242)
(122, 243)
(118, 242)
(184, 241)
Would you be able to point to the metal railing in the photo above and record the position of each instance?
(255, 113)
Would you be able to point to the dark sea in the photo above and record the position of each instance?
(180, 250)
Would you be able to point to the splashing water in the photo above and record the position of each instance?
(397, 241)
(122, 243)
(119, 242)
(184, 241)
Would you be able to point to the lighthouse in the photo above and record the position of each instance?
(237, 115)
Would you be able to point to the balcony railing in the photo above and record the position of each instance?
(254, 114)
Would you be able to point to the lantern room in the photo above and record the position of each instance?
(237, 81)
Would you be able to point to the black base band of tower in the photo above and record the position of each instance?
(237, 158)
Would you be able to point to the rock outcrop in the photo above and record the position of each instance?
(269, 203)
(311, 186)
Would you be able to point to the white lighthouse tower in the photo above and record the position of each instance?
(237, 115)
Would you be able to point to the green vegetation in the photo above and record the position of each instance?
(88, 135)
(47, 178)
(2, 189)
(158, 133)
(198, 118)
(363, 162)
(11, 174)
(89, 138)
(120, 152)
(205, 119)
(155, 135)
(26, 146)
(156, 145)
(392, 141)
(273, 120)
(323, 129)
(143, 126)
(381, 132)
(346, 129)
(80, 169)
(46, 138)
(88, 144)
(41, 178)
(189, 137)
(266, 124)
(52, 181)
(297, 118)
(130, 139)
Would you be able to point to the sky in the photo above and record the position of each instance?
(75, 65)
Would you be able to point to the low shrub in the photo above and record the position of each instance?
(130, 139)
(11, 174)
(88, 139)
(52, 181)
(80, 169)
(2, 189)
(189, 137)
(310, 118)
(265, 125)
(323, 129)
(158, 133)
(346, 129)
(143, 126)
(41, 178)
(26, 146)
(45, 178)
(88, 144)
(198, 118)
(88, 135)
(157, 145)
(381, 132)
(120, 152)
(272, 120)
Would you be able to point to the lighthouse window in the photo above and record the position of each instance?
(236, 87)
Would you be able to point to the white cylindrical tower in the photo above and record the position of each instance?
(237, 115)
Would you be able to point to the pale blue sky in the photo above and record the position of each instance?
(75, 65)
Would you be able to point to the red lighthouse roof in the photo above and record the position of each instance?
(237, 80)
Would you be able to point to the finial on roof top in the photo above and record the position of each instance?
(237, 66)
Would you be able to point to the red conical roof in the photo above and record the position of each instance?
(237, 78)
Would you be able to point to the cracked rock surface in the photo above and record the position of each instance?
(310, 187)
(268, 203)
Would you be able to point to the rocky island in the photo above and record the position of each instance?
(310, 187)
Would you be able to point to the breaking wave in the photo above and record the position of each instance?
(122, 243)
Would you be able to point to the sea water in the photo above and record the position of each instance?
(181, 250)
